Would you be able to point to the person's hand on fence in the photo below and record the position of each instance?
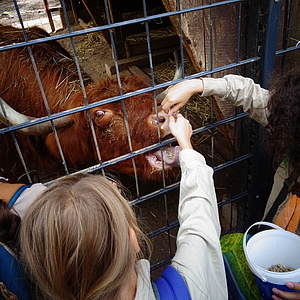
(182, 130)
(179, 94)
(282, 295)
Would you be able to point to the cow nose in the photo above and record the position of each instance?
(162, 120)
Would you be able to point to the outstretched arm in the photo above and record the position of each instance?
(198, 256)
(179, 94)
(241, 91)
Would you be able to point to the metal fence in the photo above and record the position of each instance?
(250, 38)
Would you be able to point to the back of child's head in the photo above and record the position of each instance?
(75, 239)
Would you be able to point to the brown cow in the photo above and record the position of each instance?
(59, 77)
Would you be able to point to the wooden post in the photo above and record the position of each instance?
(48, 11)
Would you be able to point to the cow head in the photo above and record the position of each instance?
(120, 127)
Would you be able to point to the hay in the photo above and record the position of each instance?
(199, 108)
(154, 34)
(91, 43)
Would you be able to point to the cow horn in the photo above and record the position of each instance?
(178, 74)
(16, 118)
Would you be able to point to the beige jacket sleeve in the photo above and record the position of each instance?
(241, 91)
(254, 99)
(198, 256)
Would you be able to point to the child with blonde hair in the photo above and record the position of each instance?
(80, 239)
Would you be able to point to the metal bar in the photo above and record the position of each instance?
(268, 62)
(114, 25)
(268, 58)
(113, 45)
(212, 114)
(124, 96)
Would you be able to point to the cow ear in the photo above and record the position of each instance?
(102, 117)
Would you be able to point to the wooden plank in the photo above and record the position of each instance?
(142, 60)
(137, 48)
(209, 33)
(196, 56)
(211, 38)
(136, 71)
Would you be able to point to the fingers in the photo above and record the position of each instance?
(173, 120)
(176, 97)
(176, 117)
(170, 106)
(175, 108)
(287, 295)
(182, 130)
(293, 285)
(276, 298)
(176, 121)
(179, 94)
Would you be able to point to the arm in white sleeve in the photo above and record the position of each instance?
(198, 257)
(241, 91)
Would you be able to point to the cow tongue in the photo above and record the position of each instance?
(170, 156)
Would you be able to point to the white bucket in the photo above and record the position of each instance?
(272, 247)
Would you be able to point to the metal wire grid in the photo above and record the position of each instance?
(169, 226)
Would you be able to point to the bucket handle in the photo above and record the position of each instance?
(245, 244)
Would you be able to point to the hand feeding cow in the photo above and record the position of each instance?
(59, 77)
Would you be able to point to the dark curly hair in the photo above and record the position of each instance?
(9, 227)
(283, 129)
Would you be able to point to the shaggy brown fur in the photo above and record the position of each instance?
(19, 88)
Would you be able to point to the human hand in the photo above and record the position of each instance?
(281, 295)
(182, 130)
(179, 94)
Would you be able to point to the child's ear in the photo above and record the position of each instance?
(134, 240)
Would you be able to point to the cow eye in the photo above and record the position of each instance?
(99, 113)
(102, 117)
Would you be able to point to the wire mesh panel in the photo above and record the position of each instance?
(85, 93)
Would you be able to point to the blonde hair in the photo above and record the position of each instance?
(75, 239)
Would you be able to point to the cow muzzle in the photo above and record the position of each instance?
(168, 156)
(160, 120)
